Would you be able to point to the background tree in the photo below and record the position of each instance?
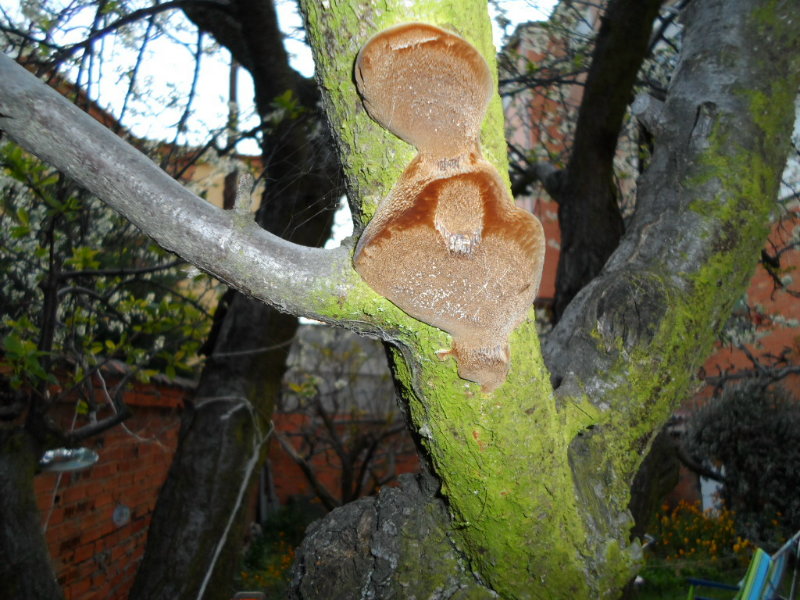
(536, 480)
(347, 434)
(216, 457)
(83, 286)
(224, 430)
(745, 438)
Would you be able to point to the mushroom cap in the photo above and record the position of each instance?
(426, 85)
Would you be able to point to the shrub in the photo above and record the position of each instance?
(697, 540)
(267, 562)
(751, 435)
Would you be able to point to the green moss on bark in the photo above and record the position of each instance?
(502, 460)
(501, 457)
(734, 185)
(527, 518)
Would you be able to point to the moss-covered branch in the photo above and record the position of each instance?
(634, 339)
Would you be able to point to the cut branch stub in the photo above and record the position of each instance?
(447, 245)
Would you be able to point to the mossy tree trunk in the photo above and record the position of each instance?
(502, 458)
(535, 481)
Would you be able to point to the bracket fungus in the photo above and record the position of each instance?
(447, 245)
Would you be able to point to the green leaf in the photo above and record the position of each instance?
(83, 257)
(20, 231)
(12, 345)
(23, 216)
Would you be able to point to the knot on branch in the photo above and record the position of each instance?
(629, 309)
(244, 205)
(648, 111)
(386, 541)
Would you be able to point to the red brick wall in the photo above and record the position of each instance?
(95, 558)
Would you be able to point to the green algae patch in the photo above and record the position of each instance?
(507, 484)
(619, 567)
(429, 564)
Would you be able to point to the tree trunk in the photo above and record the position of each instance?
(25, 569)
(198, 526)
(588, 210)
(195, 537)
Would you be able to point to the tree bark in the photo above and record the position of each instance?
(356, 552)
(25, 570)
(633, 339)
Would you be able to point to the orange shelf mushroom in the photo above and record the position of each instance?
(447, 245)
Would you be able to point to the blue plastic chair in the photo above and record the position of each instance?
(763, 578)
(778, 568)
(752, 587)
